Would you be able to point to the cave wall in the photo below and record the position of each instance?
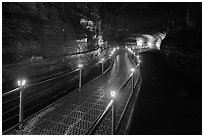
(46, 29)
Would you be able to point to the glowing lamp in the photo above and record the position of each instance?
(80, 65)
(112, 94)
(132, 70)
(21, 83)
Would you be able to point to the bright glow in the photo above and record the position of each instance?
(102, 59)
(112, 94)
(150, 44)
(80, 65)
(23, 82)
(140, 41)
(132, 70)
(117, 47)
(139, 61)
(19, 83)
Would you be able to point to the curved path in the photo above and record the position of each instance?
(76, 112)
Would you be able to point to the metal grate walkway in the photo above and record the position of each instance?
(76, 113)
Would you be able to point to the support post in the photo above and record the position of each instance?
(113, 119)
(102, 68)
(21, 108)
(80, 79)
(110, 62)
(133, 82)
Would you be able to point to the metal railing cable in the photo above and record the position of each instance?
(32, 85)
(108, 108)
(125, 110)
(97, 123)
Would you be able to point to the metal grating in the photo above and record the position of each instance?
(76, 113)
(85, 125)
(76, 131)
(69, 120)
(90, 118)
(60, 128)
(105, 126)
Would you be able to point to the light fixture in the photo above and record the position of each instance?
(132, 70)
(21, 83)
(112, 94)
(80, 65)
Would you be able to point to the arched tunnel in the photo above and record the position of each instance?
(60, 60)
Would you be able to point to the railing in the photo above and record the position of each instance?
(14, 103)
(111, 106)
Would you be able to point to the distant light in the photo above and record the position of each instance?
(112, 94)
(138, 56)
(132, 70)
(21, 83)
(102, 59)
(80, 65)
(117, 47)
(150, 44)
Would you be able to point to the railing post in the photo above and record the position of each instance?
(80, 79)
(132, 82)
(113, 119)
(110, 62)
(21, 108)
(80, 69)
(102, 68)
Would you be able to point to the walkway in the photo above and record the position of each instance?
(76, 112)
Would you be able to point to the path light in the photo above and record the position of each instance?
(117, 47)
(102, 65)
(80, 66)
(132, 70)
(102, 59)
(112, 93)
(80, 69)
(21, 84)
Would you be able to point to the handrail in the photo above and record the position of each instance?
(35, 84)
(99, 120)
(47, 80)
(125, 109)
(12, 91)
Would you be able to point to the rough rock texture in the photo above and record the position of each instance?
(41, 40)
(182, 45)
(46, 29)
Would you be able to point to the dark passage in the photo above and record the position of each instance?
(169, 102)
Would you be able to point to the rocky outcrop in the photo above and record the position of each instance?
(46, 29)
